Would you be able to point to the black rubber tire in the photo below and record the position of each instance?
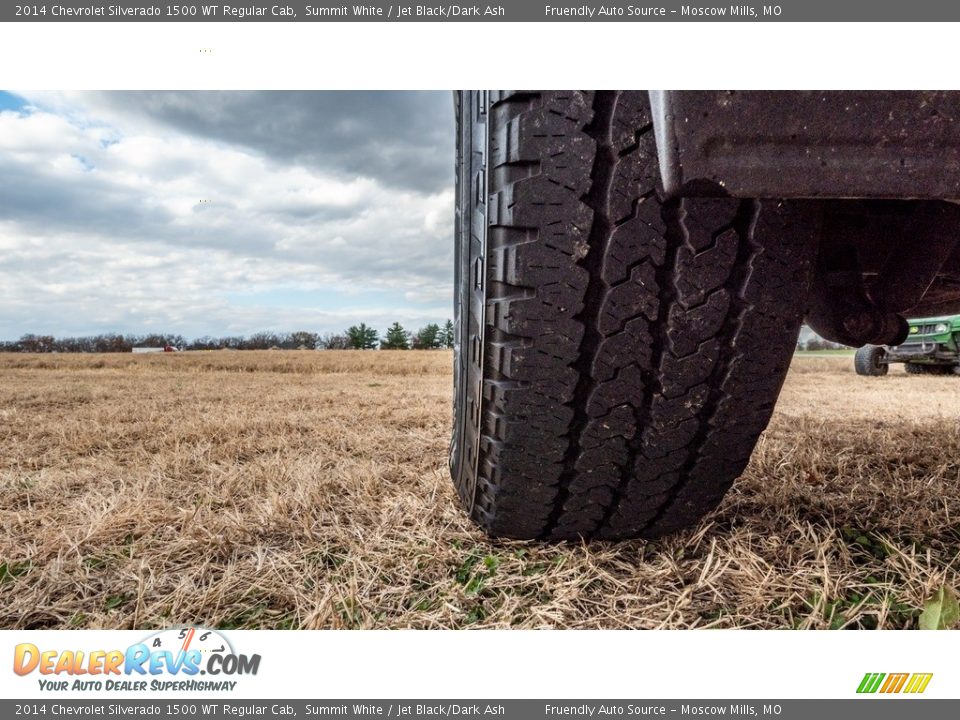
(867, 359)
(933, 369)
(927, 369)
(618, 356)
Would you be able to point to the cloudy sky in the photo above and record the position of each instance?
(224, 213)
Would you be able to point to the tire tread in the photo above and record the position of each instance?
(635, 347)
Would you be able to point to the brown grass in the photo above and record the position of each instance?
(286, 490)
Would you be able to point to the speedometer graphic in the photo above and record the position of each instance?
(182, 640)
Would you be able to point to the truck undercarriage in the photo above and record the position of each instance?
(885, 165)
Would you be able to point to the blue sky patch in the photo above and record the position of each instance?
(9, 101)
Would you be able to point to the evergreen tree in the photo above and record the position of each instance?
(446, 338)
(396, 339)
(362, 337)
(427, 338)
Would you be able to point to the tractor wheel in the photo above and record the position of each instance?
(868, 359)
(928, 369)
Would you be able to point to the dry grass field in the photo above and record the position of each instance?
(289, 490)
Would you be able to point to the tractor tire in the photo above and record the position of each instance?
(867, 361)
(617, 354)
(926, 369)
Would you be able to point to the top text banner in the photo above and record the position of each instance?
(509, 11)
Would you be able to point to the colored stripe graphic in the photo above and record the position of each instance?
(894, 683)
(918, 682)
(870, 682)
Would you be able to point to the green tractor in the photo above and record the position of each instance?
(932, 347)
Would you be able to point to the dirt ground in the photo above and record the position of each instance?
(289, 490)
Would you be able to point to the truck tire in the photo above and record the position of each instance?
(867, 359)
(617, 355)
(913, 368)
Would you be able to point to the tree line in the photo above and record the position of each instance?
(355, 337)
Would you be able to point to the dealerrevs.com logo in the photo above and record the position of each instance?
(169, 660)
